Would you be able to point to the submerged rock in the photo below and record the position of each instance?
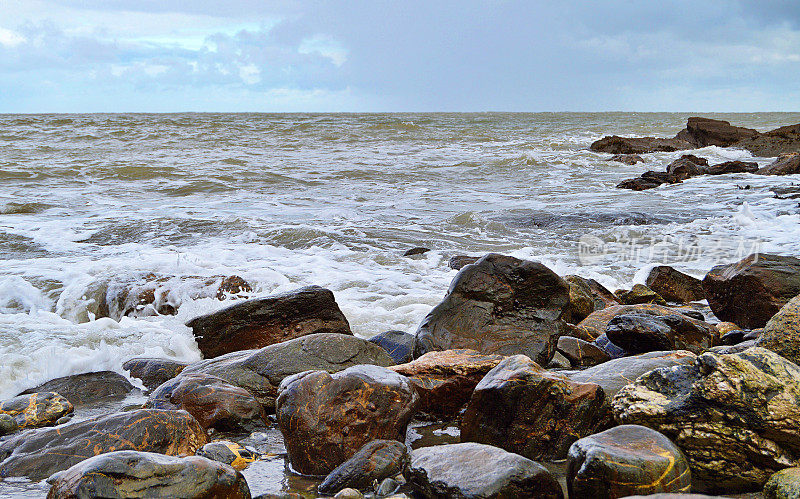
(458, 262)
(733, 167)
(782, 332)
(376, 460)
(36, 409)
(398, 344)
(153, 372)
(419, 250)
(675, 286)
(88, 388)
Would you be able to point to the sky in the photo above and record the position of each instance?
(405, 55)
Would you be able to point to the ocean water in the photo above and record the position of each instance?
(92, 203)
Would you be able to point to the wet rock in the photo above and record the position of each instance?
(522, 408)
(581, 288)
(132, 474)
(614, 351)
(732, 337)
(416, 251)
(8, 425)
(559, 362)
(639, 184)
(398, 344)
(782, 332)
(783, 140)
(638, 145)
(733, 167)
(613, 375)
(625, 460)
(739, 347)
(786, 164)
(37, 454)
(388, 487)
(211, 400)
(641, 333)
(735, 417)
(348, 494)
(628, 159)
(670, 495)
(675, 286)
(36, 409)
(470, 470)
(445, 380)
(88, 388)
(639, 294)
(326, 418)
(458, 262)
(499, 305)
(261, 371)
(784, 484)
(581, 353)
(376, 460)
(233, 286)
(687, 166)
(726, 327)
(153, 372)
(265, 321)
(597, 323)
(703, 132)
(786, 192)
(230, 453)
(752, 290)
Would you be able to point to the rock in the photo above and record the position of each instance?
(782, 332)
(628, 159)
(614, 351)
(600, 295)
(470, 470)
(387, 487)
(784, 484)
(230, 453)
(261, 371)
(641, 333)
(625, 460)
(416, 251)
(398, 344)
(732, 337)
(782, 140)
(733, 167)
(639, 184)
(597, 323)
(132, 474)
(786, 191)
(458, 262)
(233, 286)
(36, 409)
(613, 375)
(786, 164)
(211, 400)
(376, 460)
(752, 290)
(726, 327)
(153, 372)
(265, 321)
(638, 145)
(522, 408)
(581, 353)
(687, 166)
(559, 362)
(325, 418)
(675, 286)
(8, 425)
(581, 300)
(735, 417)
(37, 454)
(703, 132)
(639, 294)
(348, 494)
(668, 495)
(445, 380)
(498, 305)
(739, 347)
(88, 388)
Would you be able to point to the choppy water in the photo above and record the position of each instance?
(87, 201)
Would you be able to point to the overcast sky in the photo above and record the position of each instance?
(405, 55)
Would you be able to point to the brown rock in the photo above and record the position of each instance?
(782, 140)
(597, 323)
(153, 372)
(581, 353)
(703, 132)
(375, 461)
(782, 332)
(786, 164)
(88, 388)
(675, 286)
(733, 167)
(628, 159)
(458, 262)
(638, 145)
(36, 409)
(233, 285)
(639, 184)
(639, 294)
(687, 166)
(641, 333)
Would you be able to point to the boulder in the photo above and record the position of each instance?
(37, 454)
(36, 409)
(326, 418)
(8, 425)
(458, 262)
(639, 184)
(376, 460)
(230, 453)
(641, 333)
(88, 388)
(783, 140)
(752, 290)
(735, 416)
(476, 471)
(523, 408)
(261, 371)
(419, 250)
(444, 380)
(687, 166)
(786, 164)
(579, 290)
(615, 144)
(581, 353)
(597, 323)
(733, 167)
(211, 400)
(782, 332)
(784, 484)
(265, 321)
(703, 132)
(499, 305)
(639, 294)
(153, 372)
(675, 286)
(628, 159)
(398, 344)
(130, 474)
(624, 460)
(614, 351)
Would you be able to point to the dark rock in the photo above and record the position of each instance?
(628, 159)
(782, 332)
(638, 145)
(376, 460)
(784, 484)
(132, 474)
(581, 353)
(261, 371)
(728, 349)
(735, 417)
(687, 166)
(8, 425)
(581, 300)
(612, 350)
(625, 460)
(37, 454)
(669, 495)
(559, 362)
(325, 418)
(786, 192)
(675, 286)
(154, 372)
(641, 333)
(88, 388)
(230, 453)
(639, 184)
(786, 164)
(703, 132)
(782, 140)
(398, 344)
(36, 409)
(265, 321)
(522, 408)
(211, 400)
(499, 305)
(597, 323)
(732, 337)
(416, 251)
(458, 262)
(639, 294)
(663, 177)
(752, 290)
(475, 471)
(733, 167)
(233, 285)
(445, 380)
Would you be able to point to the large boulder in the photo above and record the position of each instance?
(703, 132)
(736, 416)
(398, 344)
(153, 372)
(615, 144)
(687, 166)
(782, 332)
(751, 291)
(642, 333)
(476, 471)
(37, 454)
(783, 140)
(596, 323)
(261, 371)
(445, 380)
(784, 484)
(88, 388)
(326, 418)
(376, 460)
(211, 400)
(499, 305)
(265, 321)
(786, 164)
(675, 286)
(133, 474)
(523, 408)
(36, 409)
(624, 460)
